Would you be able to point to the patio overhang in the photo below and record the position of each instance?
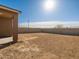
(9, 22)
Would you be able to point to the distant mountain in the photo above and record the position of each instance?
(51, 24)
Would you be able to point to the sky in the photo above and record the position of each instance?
(66, 11)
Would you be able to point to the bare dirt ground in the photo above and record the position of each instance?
(43, 46)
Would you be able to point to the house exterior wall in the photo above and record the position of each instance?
(5, 27)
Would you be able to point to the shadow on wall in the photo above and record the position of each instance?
(65, 31)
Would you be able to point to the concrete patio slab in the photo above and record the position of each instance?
(6, 40)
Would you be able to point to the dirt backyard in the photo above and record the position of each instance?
(42, 46)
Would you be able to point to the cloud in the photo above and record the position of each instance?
(50, 24)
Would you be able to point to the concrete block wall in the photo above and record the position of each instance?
(69, 31)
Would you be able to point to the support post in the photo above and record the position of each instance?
(15, 28)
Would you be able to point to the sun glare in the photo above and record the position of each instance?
(49, 5)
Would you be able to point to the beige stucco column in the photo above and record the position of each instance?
(15, 27)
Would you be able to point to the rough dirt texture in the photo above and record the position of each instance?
(43, 46)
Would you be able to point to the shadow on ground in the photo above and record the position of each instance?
(5, 45)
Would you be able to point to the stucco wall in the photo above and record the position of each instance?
(5, 27)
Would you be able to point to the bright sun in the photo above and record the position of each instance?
(49, 5)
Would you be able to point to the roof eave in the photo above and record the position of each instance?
(11, 9)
